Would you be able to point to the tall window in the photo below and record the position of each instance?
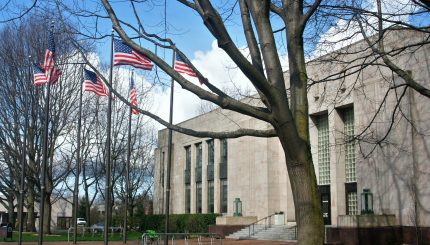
(323, 150)
(162, 169)
(224, 151)
(187, 199)
(223, 164)
(348, 116)
(211, 208)
(187, 177)
(198, 197)
(224, 196)
(350, 173)
(188, 157)
(198, 178)
(223, 176)
(352, 202)
(210, 176)
(199, 162)
(211, 157)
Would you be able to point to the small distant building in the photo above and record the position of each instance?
(61, 214)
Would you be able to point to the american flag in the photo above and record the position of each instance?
(182, 67)
(39, 75)
(125, 55)
(52, 73)
(133, 99)
(93, 83)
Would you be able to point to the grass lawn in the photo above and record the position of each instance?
(62, 236)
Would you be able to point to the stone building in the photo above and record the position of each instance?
(61, 214)
(367, 132)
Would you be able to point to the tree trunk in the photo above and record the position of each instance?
(310, 226)
(87, 207)
(47, 214)
(292, 127)
(86, 193)
(31, 219)
(130, 209)
(11, 210)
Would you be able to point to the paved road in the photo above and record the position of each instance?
(224, 242)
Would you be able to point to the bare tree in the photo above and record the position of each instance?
(286, 114)
(21, 40)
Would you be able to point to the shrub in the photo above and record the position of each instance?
(178, 223)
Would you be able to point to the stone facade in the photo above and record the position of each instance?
(389, 154)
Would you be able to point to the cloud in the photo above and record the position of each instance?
(218, 68)
(214, 64)
(346, 32)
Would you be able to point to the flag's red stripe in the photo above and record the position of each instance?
(98, 88)
(184, 68)
(134, 59)
(130, 59)
(39, 78)
(133, 100)
(134, 64)
(141, 57)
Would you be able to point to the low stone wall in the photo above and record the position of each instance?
(378, 235)
(235, 220)
(363, 221)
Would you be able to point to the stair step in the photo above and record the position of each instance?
(275, 232)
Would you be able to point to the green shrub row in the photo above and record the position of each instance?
(178, 223)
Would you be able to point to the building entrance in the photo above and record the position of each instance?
(325, 203)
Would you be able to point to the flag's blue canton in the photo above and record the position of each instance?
(38, 69)
(179, 58)
(90, 76)
(51, 43)
(125, 55)
(121, 47)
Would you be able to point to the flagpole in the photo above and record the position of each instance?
(169, 159)
(23, 163)
(78, 164)
(108, 156)
(127, 169)
(45, 154)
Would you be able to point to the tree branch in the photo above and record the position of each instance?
(311, 11)
(215, 25)
(406, 76)
(208, 134)
(221, 99)
(252, 44)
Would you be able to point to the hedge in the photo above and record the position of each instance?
(178, 223)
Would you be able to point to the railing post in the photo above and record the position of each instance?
(270, 221)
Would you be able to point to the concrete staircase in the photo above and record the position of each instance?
(275, 232)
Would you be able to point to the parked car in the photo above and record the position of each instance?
(98, 227)
(81, 221)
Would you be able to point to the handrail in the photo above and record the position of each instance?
(212, 236)
(256, 222)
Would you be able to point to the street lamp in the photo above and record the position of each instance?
(366, 202)
(237, 207)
